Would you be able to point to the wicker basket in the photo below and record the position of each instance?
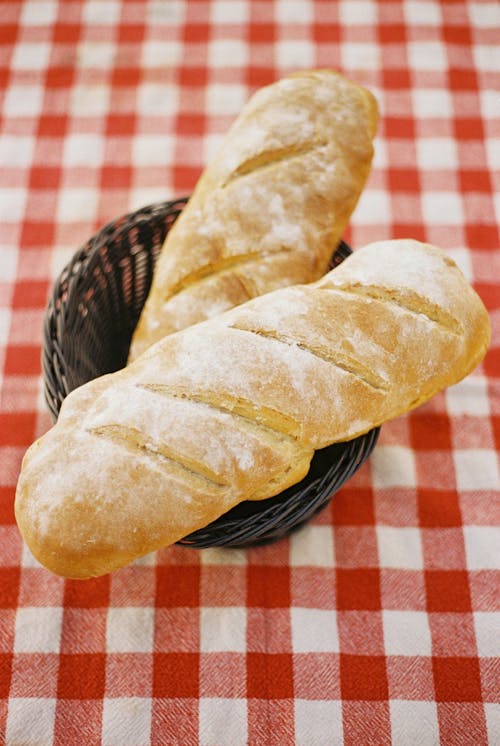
(90, 317)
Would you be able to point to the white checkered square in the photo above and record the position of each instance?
(293, 11)
(431, 103)
(492, 713)
(23, 101)
(38, 630)
(427, 55)
(442, 208)
(30, 55)
(486, 57)
(470, 397)
(399, 547)
(294, 54)
(130, 630)
(126, 720)
(314, 631)
(30, 721)
(414, 723)
(161, 54)
(27, 559)
(436, 152)
(487, 626)
(101, 12)
(418, 13)
(83, 149)
(227, 53)
(16, 150)
(229, 11)
(223, 629)
(318, 723)
(157, 99)
(492, 152)
(77, 204)
(312, 546)
(12, 204)
(482, 547)
(225, 99)
(374, 207)
(146, 196)
(218, 556)
(484, 14)
(8, 262)
(357, 12)
(5, 314)
(406, 633)
(462, 258)
(153, 150)
(360, 56)
(96, 54)
(476, 469)
(89, 100)
(223, 722)
(38, 12)
(393, 466)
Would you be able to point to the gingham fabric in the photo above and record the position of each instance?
(378, 622)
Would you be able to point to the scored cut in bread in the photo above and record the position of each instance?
(232, 409)
(271, 206)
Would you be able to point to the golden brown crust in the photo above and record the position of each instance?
(271, 206)
(233, 408)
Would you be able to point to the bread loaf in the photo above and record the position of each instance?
(272, 205)
(233, 408)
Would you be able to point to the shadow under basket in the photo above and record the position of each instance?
(91, 315)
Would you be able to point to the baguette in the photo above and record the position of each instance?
(233, 408)
(272, 205)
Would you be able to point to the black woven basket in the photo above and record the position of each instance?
(89, 321)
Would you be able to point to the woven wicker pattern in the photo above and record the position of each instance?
(93, 310)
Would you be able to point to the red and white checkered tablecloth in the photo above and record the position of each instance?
(378, 623)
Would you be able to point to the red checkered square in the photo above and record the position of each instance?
(5, 673)
(317, 677)
(74, 717)
(356, 546)
(366, 722)
(34, 675)
(223, 585)
(453, 634)
(268, 587)
(176, 675)
(81, 676)
(9, 587)
(458, 718)
(410, 677)
(358, 589)
(456, 679)
(363, 677)
(129, 674)
(177, 586)
(438, 508)
(447, 590)
(270, 675)
(360, 632)
(177, 717)
(92, 594)
(271, 720)
(223, 675)
(177, 630)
